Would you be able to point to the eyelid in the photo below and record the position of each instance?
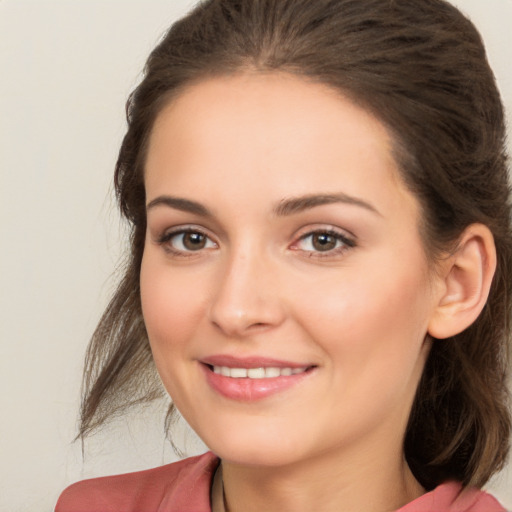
(327, 227)
(176, 230)
(347, 239)
(166, 236)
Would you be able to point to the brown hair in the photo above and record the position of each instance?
(420, 67)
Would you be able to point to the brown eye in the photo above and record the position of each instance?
(194, 241)
(186, 241)
(323, 241)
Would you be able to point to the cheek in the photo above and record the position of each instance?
(171, 305)
(381, 312)
(172, 311)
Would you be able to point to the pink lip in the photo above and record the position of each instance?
(246, 389)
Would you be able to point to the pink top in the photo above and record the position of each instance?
(184, 486)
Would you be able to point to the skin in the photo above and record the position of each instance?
(239, 147)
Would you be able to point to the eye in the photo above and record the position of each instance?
(324, 241)
(186, 241)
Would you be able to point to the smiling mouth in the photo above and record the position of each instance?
(257, 373)
(252, 380)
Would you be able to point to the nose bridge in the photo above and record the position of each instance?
(245, 297)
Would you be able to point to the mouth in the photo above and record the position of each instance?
(253, 379)
(261, 372)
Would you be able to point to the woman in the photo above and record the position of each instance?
(320, 262)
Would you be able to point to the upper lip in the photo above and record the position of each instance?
(250, 362)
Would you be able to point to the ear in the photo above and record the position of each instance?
(465, 281)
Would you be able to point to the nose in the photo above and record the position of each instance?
(246, 298)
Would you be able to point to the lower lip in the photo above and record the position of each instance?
(249, 390)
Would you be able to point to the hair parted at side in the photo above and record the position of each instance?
(420, 67)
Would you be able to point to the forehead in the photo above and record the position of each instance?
(286, 135)
(277, 105)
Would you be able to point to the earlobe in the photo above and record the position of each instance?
(467, 276)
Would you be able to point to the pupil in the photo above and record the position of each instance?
(194, 241)
(324, 242)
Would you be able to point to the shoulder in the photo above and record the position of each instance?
(183, 486)
(451, 497)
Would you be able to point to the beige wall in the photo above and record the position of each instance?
(66, 68)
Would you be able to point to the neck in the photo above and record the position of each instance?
(328, 482)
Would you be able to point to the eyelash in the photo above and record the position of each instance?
(343, 242)
(166, 238)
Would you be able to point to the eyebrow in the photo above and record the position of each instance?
(178, 203)
(283, 208)
(299, 204)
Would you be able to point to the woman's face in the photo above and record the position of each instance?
(285, 289)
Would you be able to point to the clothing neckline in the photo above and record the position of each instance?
(217, 491)
(440, 498)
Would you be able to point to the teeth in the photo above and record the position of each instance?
(238, 373)
(257, 373)
(274, 372)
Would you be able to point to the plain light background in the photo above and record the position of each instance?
(66, 68)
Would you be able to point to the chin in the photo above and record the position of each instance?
(266, 449)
